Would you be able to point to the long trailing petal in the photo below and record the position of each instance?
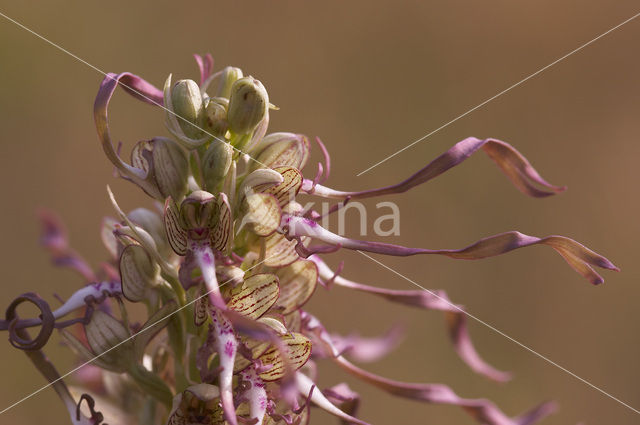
(306, 386)
(140, 89)
(256, 395)
(579, 257)
(206, 262)
(482, 410)
(227, 347)
(512, 163)
(427, 300)
(54, 239)
(369, 349)
(344, 398)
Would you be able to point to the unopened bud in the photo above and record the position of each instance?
(109, 338)
(216, 163)
(248, 105)
(186, 100)
(216, 116)
(229, 76)
(138, 273)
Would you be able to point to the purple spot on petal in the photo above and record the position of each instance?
(229, 349)
(207, 259)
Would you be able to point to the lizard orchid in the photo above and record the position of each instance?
(224, 264)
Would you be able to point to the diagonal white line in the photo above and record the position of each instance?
(499, 94)
(499, 332)
(123, 341)
(62, 49)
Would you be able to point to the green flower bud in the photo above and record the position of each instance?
(229, 76)
(103, 334)
(186, 100)
(216, 116)
(216, 163)
(248, 105)
(138, 273)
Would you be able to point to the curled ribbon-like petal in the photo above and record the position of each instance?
(482, 410)
(428, 300)
(578, 256)
(141, 90)
(512, 163)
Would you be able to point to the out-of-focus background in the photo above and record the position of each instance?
(369, 78)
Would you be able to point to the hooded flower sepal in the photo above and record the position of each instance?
(165, 165)
(201, 225)
(201, 219)
(282, 150)
(198, 404)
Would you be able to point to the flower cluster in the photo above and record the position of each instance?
(225, 265)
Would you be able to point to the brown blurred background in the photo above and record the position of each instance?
(369, 78)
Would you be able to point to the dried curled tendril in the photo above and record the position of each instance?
(19, 339)
(46, 320)
(96, 417)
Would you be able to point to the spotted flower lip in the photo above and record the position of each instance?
(225, 266)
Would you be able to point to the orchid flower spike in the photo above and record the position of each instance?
(224, 264)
